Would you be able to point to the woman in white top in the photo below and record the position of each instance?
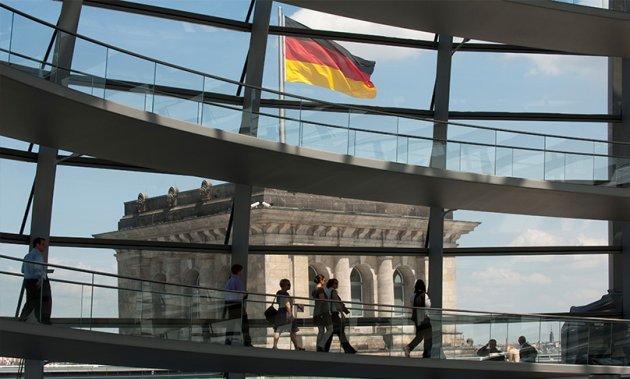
(420, 301)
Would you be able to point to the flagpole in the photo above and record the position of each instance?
(281, 77)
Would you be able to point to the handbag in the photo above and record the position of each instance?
(271, 312)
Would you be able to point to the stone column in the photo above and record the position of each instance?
(385, 285)
(299, 282)
(342, 274)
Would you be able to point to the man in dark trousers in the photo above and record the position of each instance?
(38, 294)
(235, 297)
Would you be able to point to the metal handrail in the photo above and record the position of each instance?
(376, 307)
(259, 88)
(355, 129)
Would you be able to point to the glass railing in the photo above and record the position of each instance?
(133, 80)
(123, 305)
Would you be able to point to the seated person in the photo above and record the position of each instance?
(491, 351)
(527, 352)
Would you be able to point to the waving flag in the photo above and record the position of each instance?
(327, 64)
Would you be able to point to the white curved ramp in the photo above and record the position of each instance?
(41, 112)
(57, 344)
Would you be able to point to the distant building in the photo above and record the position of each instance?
(286, 219)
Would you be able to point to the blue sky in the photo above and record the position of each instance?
(91, 201)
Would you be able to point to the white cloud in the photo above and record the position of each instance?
(593, 68)
(493, 276)
(588, 262)
(535, 237)
(591, 241)
(318, 20)
(536, 278)
(533, 259)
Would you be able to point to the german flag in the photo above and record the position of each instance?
(326, 64)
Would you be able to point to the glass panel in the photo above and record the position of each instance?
(233, 9)
(555, 166)
(569, 146)
(6, 23)
(528, 164)
(221, 116)
(375, 122)
(44, 10)
(324, 138)
(478, 159)
(269, 125)
(375, 146)
(135, 75)
(512, 139)
(117, 203)
(29, 42)
(203, 48)
(579, 167)
(16, 180)
(11, 280)
(89, 63)
(504, 161)
(403, 77)
(454, 157)
(178, 94)
(467, 134)
(528, 83)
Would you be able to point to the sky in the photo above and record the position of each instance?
(88, 202)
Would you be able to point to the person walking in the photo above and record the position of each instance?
(321, 313)
(338, 312)
(420, 300)
(38, 293)
(235, 296)
(285, 321)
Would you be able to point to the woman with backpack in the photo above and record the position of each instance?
(420, 301)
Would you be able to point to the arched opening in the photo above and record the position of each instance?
(356, 292)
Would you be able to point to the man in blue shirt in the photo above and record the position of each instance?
(38, 296)
(235, 305)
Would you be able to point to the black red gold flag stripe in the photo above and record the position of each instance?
(327, 64)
